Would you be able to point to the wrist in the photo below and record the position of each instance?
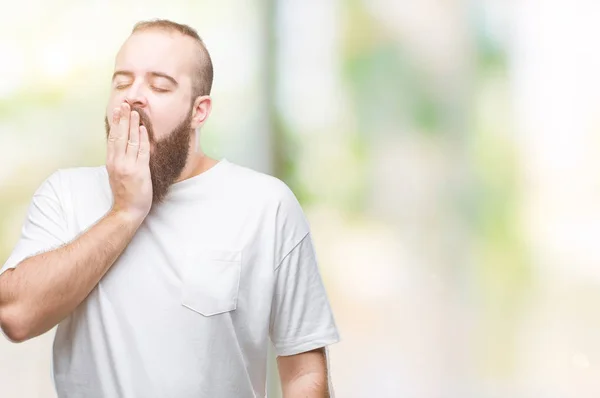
(127, 218)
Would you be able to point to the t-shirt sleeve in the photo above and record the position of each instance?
(301, 316)
(45, 227)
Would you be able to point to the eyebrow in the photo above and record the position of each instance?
(152, 74)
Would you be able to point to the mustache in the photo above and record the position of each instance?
(144, 121)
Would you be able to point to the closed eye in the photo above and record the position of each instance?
(158, 89)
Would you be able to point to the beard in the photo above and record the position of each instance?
(168, 156)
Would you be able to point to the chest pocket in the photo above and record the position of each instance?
(211, 281)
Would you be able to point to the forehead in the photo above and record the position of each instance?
(157, 50)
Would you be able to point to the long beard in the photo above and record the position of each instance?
(168, 156)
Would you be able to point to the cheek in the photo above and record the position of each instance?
(109, 111)
(163, 124)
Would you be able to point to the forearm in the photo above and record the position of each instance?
(46, 288)
(308, 385)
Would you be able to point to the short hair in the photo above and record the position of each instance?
(202, 82)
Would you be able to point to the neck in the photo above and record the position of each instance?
(197, 162)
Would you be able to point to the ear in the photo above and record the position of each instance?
(200, 111)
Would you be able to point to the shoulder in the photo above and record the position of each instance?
(78, 177)
(63, 182)
(263, 189)
(272, 198)
(61, 178)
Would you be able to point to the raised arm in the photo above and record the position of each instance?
(45, 288)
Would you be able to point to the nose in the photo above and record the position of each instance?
(135, 97)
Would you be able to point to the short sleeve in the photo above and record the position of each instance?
(45, 226)
(301, 316)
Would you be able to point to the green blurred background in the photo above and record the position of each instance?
(445, 152)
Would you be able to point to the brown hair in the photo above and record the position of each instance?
(202, 82)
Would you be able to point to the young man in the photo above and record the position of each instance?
(168, 272)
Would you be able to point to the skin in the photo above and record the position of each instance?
(152, 81)
(304, 375)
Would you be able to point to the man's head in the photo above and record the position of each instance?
(164, 72)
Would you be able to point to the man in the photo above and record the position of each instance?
(167, 272)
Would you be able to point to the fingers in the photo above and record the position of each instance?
(110, 144)
(133, 143)
(128, 142)
(122, 132)
(144, 149)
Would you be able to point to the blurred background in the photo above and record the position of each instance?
(446, 153)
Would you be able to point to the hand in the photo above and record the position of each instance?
(127, 162)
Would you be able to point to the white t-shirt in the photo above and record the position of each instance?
(222, 266)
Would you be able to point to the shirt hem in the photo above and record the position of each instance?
(307, 345)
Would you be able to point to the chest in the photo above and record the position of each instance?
(211, 256)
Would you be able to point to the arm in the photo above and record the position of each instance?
(302, 324)
(304, 375)
(43, 289)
